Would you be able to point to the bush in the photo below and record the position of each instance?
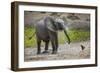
(28, 31)
(79, 35)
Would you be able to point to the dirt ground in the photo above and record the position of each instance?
(65, 51)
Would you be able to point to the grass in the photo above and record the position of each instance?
(75, 36)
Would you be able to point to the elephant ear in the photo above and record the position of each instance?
(50, 23)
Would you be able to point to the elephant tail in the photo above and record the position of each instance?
(32, 36)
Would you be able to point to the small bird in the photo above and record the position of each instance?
(82, 47)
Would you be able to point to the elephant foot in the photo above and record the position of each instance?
(54, 52)
(45, 52)
(38, 53)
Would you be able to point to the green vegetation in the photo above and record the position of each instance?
(28, 32)
(79, 35)
(75, 36)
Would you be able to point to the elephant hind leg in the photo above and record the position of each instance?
(38, 46)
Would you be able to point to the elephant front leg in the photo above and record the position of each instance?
(38, 47)
(54, 41)
(54, 50)
(46, 47)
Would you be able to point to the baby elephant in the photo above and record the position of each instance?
(47, 31)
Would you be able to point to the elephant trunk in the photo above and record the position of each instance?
(67, 36)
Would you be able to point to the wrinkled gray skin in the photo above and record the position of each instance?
(47, 31)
